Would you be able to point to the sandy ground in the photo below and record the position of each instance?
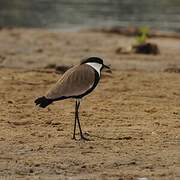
(29, 48)
(132, 117)
(134, 125)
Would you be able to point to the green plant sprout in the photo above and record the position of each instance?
(143, 34)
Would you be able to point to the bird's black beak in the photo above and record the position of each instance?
(105, 66)
(108, 68)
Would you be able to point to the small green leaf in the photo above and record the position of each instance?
(143, 33)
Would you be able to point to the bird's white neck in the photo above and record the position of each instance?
(96, 66)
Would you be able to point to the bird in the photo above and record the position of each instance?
(76, 82)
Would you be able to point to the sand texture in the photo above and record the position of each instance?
(132, 117)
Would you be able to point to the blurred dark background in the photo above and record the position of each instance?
(69, 14)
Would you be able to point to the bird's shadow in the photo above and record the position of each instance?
(91, 137)
(107, 138)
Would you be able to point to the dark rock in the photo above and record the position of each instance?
(50, 66)
(146, 48)
(62, 68)
(172, 70)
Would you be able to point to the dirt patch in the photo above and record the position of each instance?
(134, 127)
(38, 48)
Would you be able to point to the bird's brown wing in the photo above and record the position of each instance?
(74, 82)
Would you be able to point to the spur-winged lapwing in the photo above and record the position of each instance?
(75, 83)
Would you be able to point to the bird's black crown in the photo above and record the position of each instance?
(92, 60)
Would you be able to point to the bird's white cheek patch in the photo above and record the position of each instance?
(96, 66)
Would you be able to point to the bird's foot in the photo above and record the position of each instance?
(74, 138)
(84, 138)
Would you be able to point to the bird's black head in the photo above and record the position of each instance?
(94, 60)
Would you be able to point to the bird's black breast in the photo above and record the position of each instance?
(96, 80)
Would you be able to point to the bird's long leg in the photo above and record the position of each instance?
(82, 137)
(74, 134)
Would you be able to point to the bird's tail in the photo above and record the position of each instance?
(43, 101)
